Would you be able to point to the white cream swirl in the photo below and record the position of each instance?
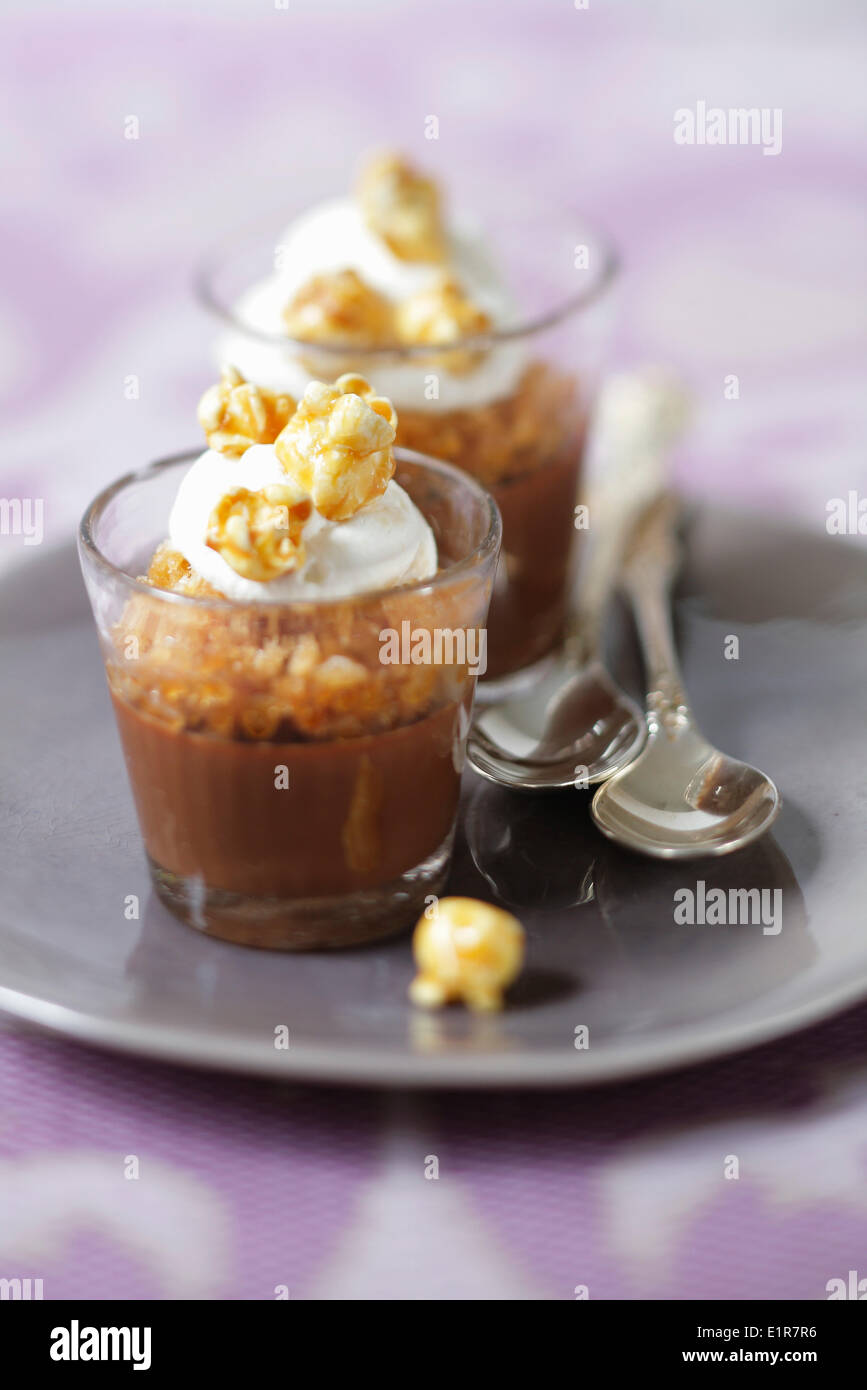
(385, 544)
(334, 236)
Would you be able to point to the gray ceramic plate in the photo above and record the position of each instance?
(604, 949)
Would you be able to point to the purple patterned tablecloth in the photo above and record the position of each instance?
(738, 265)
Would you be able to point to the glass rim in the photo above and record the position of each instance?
(487, 547)
(205, 273)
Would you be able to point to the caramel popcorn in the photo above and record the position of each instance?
(337, 446)
(339, 307)
(259, 533)
(468, 951)
(403, 208)
(443, 314)
(235, 414)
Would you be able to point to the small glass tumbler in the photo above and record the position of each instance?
(511, 406)
(295, 767)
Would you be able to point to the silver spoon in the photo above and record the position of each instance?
(682, 797)
(576, 727)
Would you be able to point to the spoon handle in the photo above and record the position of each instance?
(652, 560)
(599, 578)
(641, 415)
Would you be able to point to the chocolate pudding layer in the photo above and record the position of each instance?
(528, 608)
(299, 820)
(528, 450)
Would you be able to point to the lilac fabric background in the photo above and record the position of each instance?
(737, 263)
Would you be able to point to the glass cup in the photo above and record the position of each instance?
(295, 767)
(510, 407)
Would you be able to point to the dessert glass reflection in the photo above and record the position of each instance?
(487, 339)
(292, 660)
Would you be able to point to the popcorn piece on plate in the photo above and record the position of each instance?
(337, 446)
(339, 307)
(259, 533)
(465, 950)
(235, 414)
(403, 208)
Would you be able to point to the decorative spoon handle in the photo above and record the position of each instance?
(598, 581)
(651, 563)
(641, 416)
(610, 549)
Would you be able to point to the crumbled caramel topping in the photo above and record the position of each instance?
(337, 446)
(235, 414)
(545, 418)
(465, 950)
(169, 569)
(259, 533)
(443, 314)
(403, 208)
(235, 673)
(339, 307)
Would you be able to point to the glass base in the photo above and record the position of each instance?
(305, 924)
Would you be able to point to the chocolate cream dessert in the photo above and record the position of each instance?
(294, 787)
(385, 283)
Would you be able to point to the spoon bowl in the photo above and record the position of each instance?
(573, 730)
(682, 798)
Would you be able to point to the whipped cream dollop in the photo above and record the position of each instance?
(334, 236)
(386, 543)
